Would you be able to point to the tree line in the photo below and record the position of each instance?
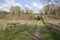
(52, 8)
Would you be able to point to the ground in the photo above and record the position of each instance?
(27, 29)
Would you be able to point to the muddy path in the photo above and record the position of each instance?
(36, 35)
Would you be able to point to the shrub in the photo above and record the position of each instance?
(32, 16)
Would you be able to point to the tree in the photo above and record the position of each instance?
(51, 9)
(28, 11)
(57, 11)
(15, 10)
(46, 9)
(51, 6)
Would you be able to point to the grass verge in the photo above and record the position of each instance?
(49, 33)
(18, 33)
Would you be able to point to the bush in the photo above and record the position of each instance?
(32, 16)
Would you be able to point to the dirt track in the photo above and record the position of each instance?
(36, 35)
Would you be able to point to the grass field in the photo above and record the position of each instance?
(18, 32)
(21, 32)
(49, 33)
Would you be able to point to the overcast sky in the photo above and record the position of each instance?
(34, 5)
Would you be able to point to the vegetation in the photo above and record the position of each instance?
(50, 14)
(49, 33)
(18, 33)
(32, 16)
(52, 9)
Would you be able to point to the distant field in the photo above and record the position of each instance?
(4, 23)
(51, 19)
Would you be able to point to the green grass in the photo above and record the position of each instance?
(18, 33)
(49, 33)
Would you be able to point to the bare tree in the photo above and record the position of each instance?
(15, 10)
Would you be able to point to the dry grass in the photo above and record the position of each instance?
(49, 19)
(4, 23)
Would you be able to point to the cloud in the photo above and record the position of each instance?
(2, 8)
(12, 3)
(8, 3)
(17, 4)
(28, 6)
(36, 5)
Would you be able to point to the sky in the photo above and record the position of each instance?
(34, 5)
